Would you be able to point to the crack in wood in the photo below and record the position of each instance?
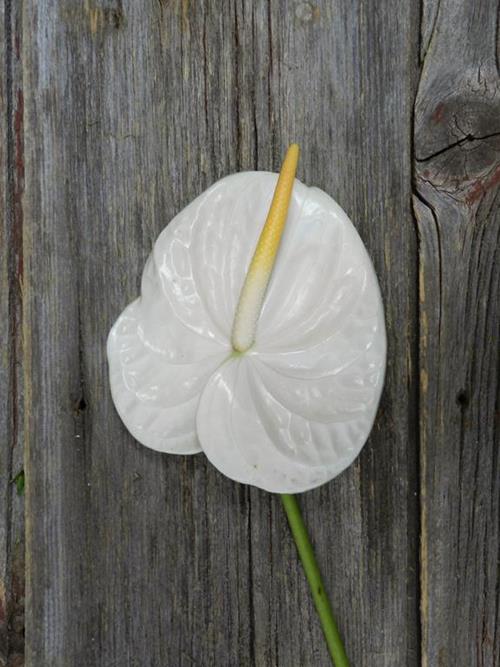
(469, 138)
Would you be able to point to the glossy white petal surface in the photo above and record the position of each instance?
(257, 440)
(293, 411)
(156, 388)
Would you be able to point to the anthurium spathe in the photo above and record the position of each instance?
(263, 348)
(269, 361)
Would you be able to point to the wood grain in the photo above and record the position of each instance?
(131, 109)
(11, 356)
(457, 206)
(5, 465)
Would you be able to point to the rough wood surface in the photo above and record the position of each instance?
(11, 341)
(457, 207)
(115, 114)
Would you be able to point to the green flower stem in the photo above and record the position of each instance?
(306, 553)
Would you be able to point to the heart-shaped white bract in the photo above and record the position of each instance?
(294, 410)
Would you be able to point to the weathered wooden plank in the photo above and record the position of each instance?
(457, 205)
(11, 374)
(132, 109)
(4, 358)
(5, 465)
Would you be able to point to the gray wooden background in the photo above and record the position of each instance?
(114, 115)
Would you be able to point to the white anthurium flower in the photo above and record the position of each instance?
(276, 378)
